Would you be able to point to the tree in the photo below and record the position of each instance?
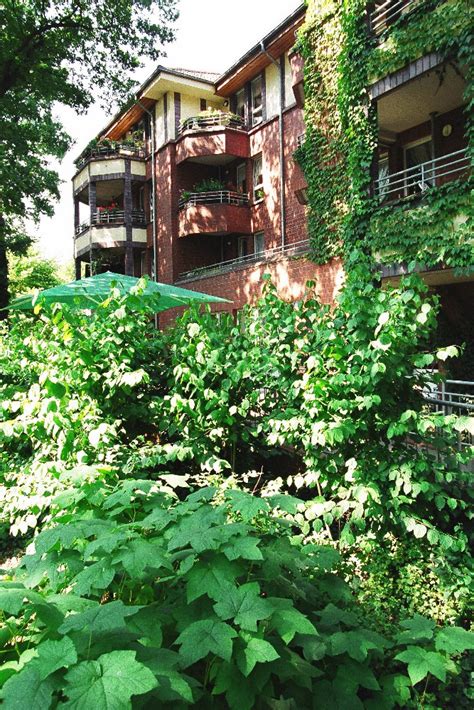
(66, 52)
(31, 271)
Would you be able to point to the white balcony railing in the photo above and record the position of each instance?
(217, 197)
(420, 178)
(295, 249)
(117, 217)
(213, 120)
(386, 13)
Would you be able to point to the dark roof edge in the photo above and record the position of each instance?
(256, 49)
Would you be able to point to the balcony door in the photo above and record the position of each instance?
(419, 171)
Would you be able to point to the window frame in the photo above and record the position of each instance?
(257, 185)
(256, 111)
(256, 238)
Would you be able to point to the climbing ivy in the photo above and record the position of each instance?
(342, 59)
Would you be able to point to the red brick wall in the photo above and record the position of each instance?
(245, 285)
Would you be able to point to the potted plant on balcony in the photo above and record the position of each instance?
(108, 213)
(209, 185)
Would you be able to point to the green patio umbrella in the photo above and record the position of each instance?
(92, 291)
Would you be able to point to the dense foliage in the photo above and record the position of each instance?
(234, 595)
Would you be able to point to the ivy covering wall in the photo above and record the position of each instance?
(342, 59)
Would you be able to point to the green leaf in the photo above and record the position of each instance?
(356, 644)
(108, 682)
(95, 576)
(289, 622)
(11, 599)
(248, 505)
(203, 637)
(454, 639)
(256, 651)
(103, 617)
(53, 655)
(244, 605)
(421, 662)
(419, 628)
(27, 690)
(245, 548)
(210, 578)
(140, 554)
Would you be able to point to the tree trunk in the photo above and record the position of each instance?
(4, 296)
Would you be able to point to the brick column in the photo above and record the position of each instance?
(76, 213)
(127, 208)
(92, 210)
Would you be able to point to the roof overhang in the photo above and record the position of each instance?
(278, 41)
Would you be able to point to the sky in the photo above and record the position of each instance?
(210, 36)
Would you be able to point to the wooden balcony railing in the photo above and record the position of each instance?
(219, 197)
(228, 120)
(117, 217)
(420, 178)
(388, 12)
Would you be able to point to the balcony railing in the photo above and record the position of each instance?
(83, 227)
(229, 120)
(119, 149)
(420, 178)
(219, 197)
(388, 12)
(294, 249)
(453, 397)
(117, 217)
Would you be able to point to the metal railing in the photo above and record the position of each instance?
(419, 178)
(218, 197)
(453, 397)
(388, 12)
(83, 227)
(117, 217)
(196, 123)
(295, 249)
(111, 151)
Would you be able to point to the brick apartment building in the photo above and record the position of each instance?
(196, 183)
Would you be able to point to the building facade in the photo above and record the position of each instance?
(204, 180)
(196, 183)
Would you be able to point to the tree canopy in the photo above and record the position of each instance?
(61, 52)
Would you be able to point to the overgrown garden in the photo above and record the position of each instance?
(252, 514)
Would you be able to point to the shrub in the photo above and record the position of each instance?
(209, 601)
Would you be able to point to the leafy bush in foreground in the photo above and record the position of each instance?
(210, 602)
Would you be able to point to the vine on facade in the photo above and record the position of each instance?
(342, 59)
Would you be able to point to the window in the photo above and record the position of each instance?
(383, 176)
(258, 193)
(241, 177)
(240, 103)
(419, 172)
(256, 93)
(243, 247)
(259, 243)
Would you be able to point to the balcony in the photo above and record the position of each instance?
(297, 70)
(220, 212)
(417, 180)
(117, 217)
(215, 137)
(387, 12)
(242, 262)
(211, 120)
(111, 150)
